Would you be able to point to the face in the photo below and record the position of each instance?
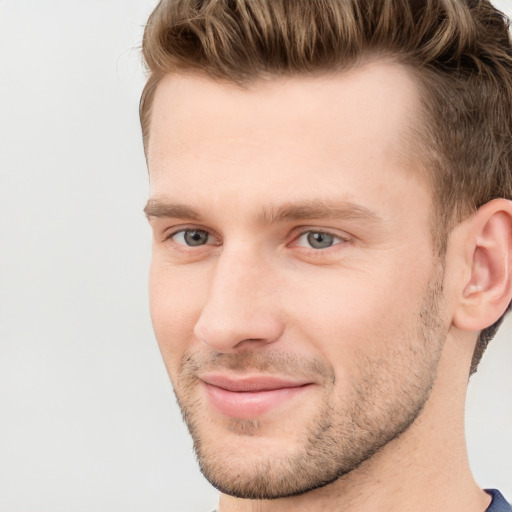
(294, 292)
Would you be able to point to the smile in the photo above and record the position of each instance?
(250, 397)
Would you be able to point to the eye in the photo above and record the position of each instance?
(191, 237)
(317, 240)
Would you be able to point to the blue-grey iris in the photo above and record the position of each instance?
(195, 237)
(319, 240)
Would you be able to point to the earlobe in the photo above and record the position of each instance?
(487, 291)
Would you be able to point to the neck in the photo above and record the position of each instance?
(424, 469)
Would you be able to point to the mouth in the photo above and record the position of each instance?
(247, 397)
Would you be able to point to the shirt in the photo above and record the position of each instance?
(498, 503)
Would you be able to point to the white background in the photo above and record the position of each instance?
(88, 421)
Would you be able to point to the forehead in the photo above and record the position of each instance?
(279, 134)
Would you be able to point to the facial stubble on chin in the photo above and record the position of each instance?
(336, 440)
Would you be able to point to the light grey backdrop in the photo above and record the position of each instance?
(88, 421)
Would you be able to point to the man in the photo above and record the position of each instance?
(330, 187)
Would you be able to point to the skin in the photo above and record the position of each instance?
(376, 324)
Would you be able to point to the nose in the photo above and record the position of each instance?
(241, 308)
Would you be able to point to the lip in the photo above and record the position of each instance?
(250, 396)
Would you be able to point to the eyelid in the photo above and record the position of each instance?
(304, 230)
(296, 234)
(171, 232)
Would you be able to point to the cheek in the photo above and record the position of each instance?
(175, 299)
(348, 312)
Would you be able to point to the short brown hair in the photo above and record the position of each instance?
(459, 51)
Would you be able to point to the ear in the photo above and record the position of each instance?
(487, 290)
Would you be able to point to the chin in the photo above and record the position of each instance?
(248, 459)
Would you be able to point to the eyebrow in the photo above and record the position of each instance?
(160, 209)
(317, 209)
(286, 212)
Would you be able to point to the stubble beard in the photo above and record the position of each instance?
(383, 403)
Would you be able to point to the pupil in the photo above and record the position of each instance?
(196, 237)
(320, 240)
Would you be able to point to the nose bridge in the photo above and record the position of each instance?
(236, 282)
(243, 268)
(240, 304)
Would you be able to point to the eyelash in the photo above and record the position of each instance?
(168, 236)
(339, 240)
(336, 239)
